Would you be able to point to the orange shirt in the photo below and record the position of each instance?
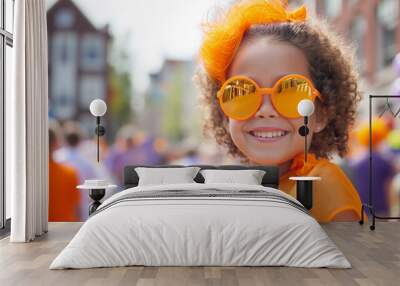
(63, 196)
(333, 194)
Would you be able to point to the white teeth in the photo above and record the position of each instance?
(269, 134)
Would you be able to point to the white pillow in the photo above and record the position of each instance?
(162, 176)
(249, 177)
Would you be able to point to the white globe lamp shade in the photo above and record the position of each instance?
(98, 107)
(305, 107)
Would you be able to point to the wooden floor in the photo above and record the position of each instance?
(375, 257)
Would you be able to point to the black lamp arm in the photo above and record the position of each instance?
(305, 138)
(303, 131)
(100, 131)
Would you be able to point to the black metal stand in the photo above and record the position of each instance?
(304, 187)
(96, 195)
(100, 131)
(370, 205)
(304, 193)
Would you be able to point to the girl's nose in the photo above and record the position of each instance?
(266, 110)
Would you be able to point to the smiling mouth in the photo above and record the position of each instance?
(269, 135)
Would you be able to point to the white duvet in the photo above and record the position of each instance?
(185, 231)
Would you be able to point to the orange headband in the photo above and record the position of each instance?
(222, 38)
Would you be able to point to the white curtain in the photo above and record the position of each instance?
(27, 123)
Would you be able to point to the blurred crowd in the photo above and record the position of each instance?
(385, 164)
(73, 159)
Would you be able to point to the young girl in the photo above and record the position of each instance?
(258, 61)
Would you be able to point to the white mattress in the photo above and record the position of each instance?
(183, 231)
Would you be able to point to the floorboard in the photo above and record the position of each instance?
(374, 255)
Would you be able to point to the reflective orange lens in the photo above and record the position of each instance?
(288, 93)
(238, 99)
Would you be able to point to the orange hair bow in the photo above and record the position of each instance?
(223, 37)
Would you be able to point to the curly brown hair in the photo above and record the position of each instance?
(332, 69)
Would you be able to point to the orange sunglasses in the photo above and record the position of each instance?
(240, 97)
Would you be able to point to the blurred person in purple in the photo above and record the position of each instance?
(132, 147)
(393, 141)
(71, 155)
(382, 167)
(123, 142)
(149, 148)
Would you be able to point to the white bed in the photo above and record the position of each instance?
(251, 225)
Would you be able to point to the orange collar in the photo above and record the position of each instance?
(301, 168)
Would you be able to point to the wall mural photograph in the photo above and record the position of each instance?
(203, 133)
(182, 92)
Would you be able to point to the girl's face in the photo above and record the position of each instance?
(267, 137)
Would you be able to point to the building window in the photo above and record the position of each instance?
(92, 52)
(63, 75)
(6, 43)
(91, 87)
(64, 19)
(64, 48)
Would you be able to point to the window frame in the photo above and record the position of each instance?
(6, 39)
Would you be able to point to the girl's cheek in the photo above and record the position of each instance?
(233, 129)
(235, 126)
(296, 123)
